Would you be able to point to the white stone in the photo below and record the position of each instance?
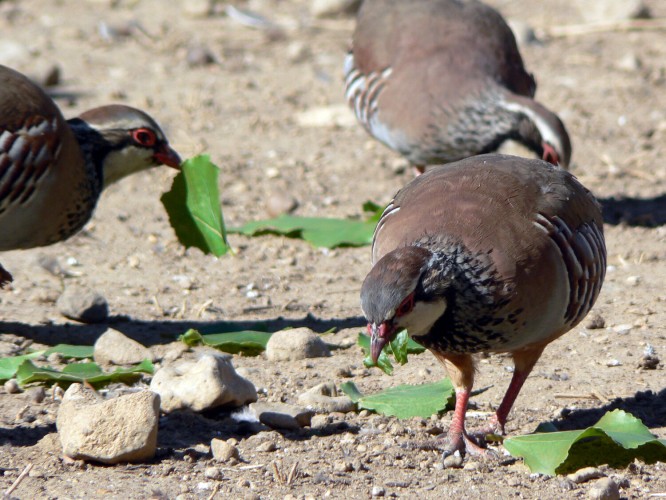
(123, 429)
(324, 398)
(328, 8)
(294, 344)
(338, 115)
(604, 489)
(208, 382)
(282, 415)
(223, 450)
(113, 347)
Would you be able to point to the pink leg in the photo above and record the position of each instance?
(524, 361)
(457, 437)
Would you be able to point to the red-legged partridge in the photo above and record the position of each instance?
(442, 80)
(493, 253)
(52, 171)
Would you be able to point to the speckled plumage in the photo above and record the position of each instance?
(441, 80)
(52, 171)
(500, 253)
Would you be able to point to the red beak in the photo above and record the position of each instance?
(167, 156)
(379, 337)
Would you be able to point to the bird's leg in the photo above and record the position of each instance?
(523, 362)
(460, 368)
(5, 277)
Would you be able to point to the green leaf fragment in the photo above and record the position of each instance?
(318, 231)
(405, 401)
(9, 365)
(400, 347)
(71, 351)
(249, 343)
(616, 440)
(193, 205)
(28, 373)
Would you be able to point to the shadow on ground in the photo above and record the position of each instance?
(641, 212)
(648, 406)
(162, 332)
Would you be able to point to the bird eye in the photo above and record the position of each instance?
(144, 137)
(406, 306)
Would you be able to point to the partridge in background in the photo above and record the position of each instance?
(52, 171)
(493, 253)
(442, 80)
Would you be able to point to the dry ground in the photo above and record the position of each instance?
(610, 89)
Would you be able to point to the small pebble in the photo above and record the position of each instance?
(12, 387)
(266, 447)
(622, 329)
(213, 473)
(36, 394)
(604, 489)
(199, 56)
(595, 322)
(613, 362)
(584, 475)
(81, 304)
(633, 280)
(378, 491)
(454, 461)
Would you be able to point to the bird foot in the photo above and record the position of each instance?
(465, 444)
(5, 277)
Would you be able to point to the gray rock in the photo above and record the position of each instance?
(223, 451)
(282, 415)
(12, 387)
(330, 8)
(279, 203)
(585, 474)
(378, 491)
(604, 11)
(123, 429)
(454, 461)
(213, 473)
(13, 53)
(604, 489)
(82, 304)
(207, 382)
(297, 343)
(112, 347)
(35, 394)
(323, 398)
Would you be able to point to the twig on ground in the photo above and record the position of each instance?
(618, 26)
(15, 484)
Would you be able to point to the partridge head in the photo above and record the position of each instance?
(53, 171)
(489, 254)
(442, 80)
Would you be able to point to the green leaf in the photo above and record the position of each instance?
(193, 205)
(616, 439)
(71, 351)
(376, 211)
(28, 373)
(318, 231)
(247, 342)
(9, 365)
(405, 401)
(400, 347)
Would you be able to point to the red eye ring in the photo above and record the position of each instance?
(406, 306)
(144, 137)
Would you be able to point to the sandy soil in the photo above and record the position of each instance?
(610, 89)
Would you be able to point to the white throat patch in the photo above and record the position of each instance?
(423, 317)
